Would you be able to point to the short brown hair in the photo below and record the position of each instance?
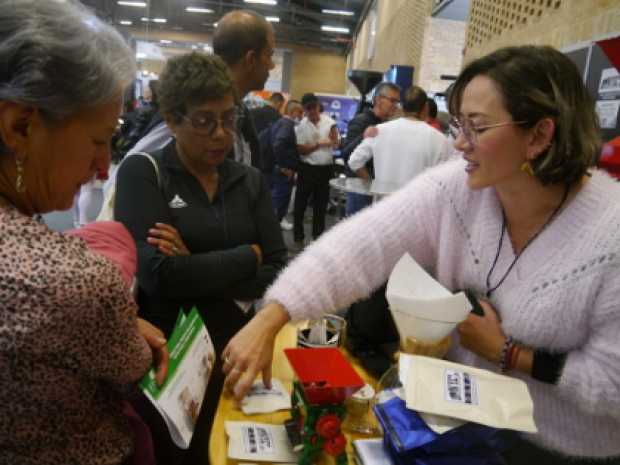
(539, 82)
(192, 79)
(415, 100)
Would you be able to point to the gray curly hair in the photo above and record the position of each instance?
(59, 57)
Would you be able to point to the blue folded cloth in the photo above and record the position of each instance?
(411, 442)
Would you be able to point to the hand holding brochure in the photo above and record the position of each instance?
(192, 358)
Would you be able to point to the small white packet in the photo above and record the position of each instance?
(262, 400)
(261, 442)
(472, 394)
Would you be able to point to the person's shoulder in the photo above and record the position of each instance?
(327, 120)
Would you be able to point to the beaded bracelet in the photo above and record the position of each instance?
(503, 359)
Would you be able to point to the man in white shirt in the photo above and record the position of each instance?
(404, 147)
(316, 135)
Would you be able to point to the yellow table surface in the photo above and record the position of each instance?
(228, 411)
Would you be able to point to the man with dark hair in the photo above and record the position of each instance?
(265, 116)
(286, 156)
(431, 119)
(403, 147)
(317, 135)
(385, 104)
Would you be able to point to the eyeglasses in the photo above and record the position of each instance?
(471, 132)
(207, 122)
(394, 101)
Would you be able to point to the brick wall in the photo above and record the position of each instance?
(442, 52)
(499, 23)
(400, 36)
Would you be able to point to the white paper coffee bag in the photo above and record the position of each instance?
(472, 394)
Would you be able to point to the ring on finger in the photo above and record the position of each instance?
(175, 249)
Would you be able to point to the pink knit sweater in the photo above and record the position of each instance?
(563, 295)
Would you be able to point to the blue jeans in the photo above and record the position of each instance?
(356, 202)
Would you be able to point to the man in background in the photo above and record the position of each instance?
(385, 103)
(403, 147)
(317, 135)
(286, 159)
(265, 116)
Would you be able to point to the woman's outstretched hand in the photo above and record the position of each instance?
(483, 335)
(250, 351)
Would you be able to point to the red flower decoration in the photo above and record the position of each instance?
(328, 426)
(336, 445)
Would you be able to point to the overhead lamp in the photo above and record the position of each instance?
(125, 22)
(215, 24)
(338, 12)
(344, 30)
(154, 20)
(272, 19)
(165, 41)
(195, 9)
(263, 2)
(134, 4)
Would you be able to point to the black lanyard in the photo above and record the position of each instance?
(490, 289)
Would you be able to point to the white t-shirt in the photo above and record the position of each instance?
(307, 132)
(402, 150)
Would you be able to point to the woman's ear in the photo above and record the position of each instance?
(541, 138)
(15, 125)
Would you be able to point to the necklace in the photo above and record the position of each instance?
(490, 289)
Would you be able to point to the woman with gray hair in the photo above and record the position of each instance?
(70, 341)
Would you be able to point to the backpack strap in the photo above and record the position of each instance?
(155, 165)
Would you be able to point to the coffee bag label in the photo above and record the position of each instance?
(461, 387)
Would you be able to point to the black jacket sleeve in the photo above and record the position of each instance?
(139, 204)
(272, 245)
(285, 146)
(355, 135)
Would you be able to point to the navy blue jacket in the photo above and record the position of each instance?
(285, 144)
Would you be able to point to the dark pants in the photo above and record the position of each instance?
(356, 202)
(281, 189)
(526, 453)
(311, 181)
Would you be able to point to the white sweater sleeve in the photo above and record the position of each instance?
(591, 374)
(357, 255)
(362, 153)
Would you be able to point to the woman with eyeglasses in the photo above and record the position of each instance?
(526, 222)
(204, 225)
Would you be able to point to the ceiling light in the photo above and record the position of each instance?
(264, 2)
(214, 24)
(135, 4)
(344, 30)
(193, 9)
(125, 22)
(165, 41)
(140, 56)
(154, 20)
(272, 19)
(338, 12)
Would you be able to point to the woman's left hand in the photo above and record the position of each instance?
(154, 337)
(167, 239)
(483, 335)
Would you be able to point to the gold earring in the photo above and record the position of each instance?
(19, 181)
(527, 168)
